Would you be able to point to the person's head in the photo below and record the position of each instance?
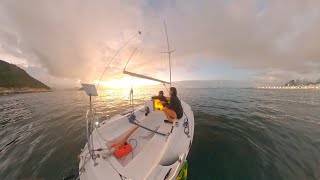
(160, 93)
(173, 91)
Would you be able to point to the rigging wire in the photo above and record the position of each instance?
(99, 140)
(131, 100)
(133, 37)
(166, 88)
(131, 92)
(104, 138)
(100, 149)
(129, 59)
(121, 176)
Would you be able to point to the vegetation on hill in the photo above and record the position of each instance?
(299, 83)
(11, 76)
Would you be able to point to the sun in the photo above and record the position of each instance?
(127, 82)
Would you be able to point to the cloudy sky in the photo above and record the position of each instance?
(262, 41)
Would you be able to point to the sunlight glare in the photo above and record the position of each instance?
(127, 82)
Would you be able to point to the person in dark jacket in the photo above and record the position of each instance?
(162, 98)
(174, 110)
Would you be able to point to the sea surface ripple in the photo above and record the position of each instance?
(240, 133)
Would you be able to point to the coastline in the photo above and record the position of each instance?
(7, 91)
(291, 87)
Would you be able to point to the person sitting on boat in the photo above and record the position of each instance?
(161, 97)
(174, 109)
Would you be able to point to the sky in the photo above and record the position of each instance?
(62, 43)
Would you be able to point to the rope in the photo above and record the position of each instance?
(186, 125)
(150, 129)
(136, 144)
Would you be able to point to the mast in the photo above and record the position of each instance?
(169, 51)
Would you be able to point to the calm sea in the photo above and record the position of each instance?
(240, 133)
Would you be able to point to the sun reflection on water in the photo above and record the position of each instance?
(116, 100)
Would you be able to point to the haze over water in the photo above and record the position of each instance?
(240, 133)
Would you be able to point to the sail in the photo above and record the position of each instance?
(144, 77)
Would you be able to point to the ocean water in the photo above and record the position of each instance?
(240, 133)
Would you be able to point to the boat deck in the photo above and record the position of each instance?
(141, 137)
(153, 154)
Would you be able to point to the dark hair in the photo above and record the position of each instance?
(174, 91)
(161, 92)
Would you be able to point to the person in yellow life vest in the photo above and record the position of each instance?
(161, 97)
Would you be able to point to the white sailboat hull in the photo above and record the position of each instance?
(153, 157)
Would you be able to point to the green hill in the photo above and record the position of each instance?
(11, 76)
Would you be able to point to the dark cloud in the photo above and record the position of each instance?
(68, 37)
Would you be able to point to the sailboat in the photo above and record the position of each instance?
(137, 144)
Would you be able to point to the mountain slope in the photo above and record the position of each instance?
(11, 76)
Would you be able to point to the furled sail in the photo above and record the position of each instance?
(144, 77)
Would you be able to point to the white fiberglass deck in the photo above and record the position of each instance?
(153, 154)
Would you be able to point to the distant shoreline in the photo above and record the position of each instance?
(7, 91)
(290, 87)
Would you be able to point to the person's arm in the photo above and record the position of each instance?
(164, 104)
(164, 101)
(155, 97)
